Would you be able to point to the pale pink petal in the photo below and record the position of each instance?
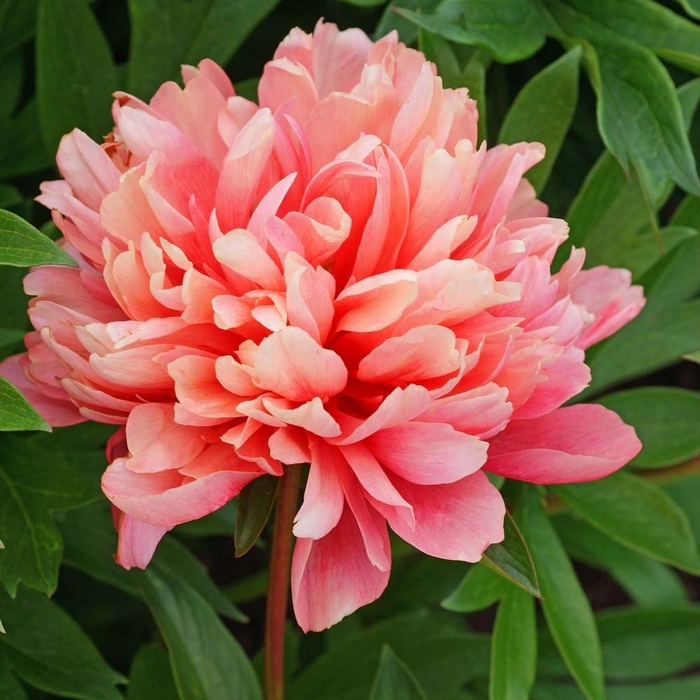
(608, 295)
(572, 444)
(333, 576)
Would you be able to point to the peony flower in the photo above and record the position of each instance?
(338, 276)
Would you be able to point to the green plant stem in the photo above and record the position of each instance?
(278, 585)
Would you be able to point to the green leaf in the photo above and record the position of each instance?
(687, 213)
(638, 514)
(439, 652)
(666, 421)
(21, 152)
(647, 581)
(543, 111)
(48, 650)
(565, 606)
(670, 35)
(514, 648)
(692, 7)
(9, 196)
(33, 483)
(17, 22)
(680, 689)
(640, 253)
(511, 558)
(15, 412)
(22, 245)
(511, 30)
(254, 508)
(168, 33)
(150, 677)
(639, 115)
(11, 79)
(364, 3)
(480, 588)
(639, 644)
(90, 544)
(664, 330)
(206, 661)
(394, 680)
(76, 75)
(10, 688)
(391, 20)
(227, 24)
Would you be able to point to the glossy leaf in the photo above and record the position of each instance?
(33, 483)
(391, 20)
(663, 331)
(511, 30)
(21, 245)
(15, 412)
(511, 558)
(480, 588)
(639, 644)
(692, 7)
(647, 581)
(513, 648)
(666, 421)
(679, 689)
(672, 36)
(543, 111)
(206, 661)
(254, 507)
(639, 116)
(90, 544)
(638, 514)
(21, 152)
(150, 677)
(394, 680)
(439, 652)
(565, 606)
(76, 75)
(48, 650)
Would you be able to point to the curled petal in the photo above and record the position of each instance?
(572, 444)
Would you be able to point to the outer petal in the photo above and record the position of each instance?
(137, 540)
(333, 576)
(453, 521)
(571, 444)
(56, 412)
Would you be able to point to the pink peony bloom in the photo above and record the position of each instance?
(338, 276)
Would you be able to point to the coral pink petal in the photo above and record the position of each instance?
(453, 521)
(333, 576)
(137, 541)
(56, 412)
(323, 495)
(428, 453)
(292, 364)
(166, 499)
(572, 444)
(156, 442)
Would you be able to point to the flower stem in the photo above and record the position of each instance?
(278, 586)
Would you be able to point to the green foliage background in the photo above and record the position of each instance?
(611, 88)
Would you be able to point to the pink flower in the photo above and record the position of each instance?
(337, 276)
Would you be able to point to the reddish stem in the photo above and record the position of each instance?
(278, 586)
